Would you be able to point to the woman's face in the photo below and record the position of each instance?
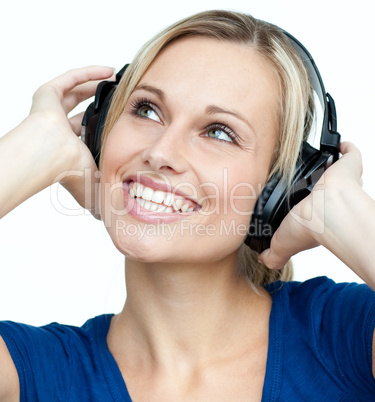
(184, 163)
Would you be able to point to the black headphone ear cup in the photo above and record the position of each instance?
(94, 119)
(278, 198)
(260, 233)
(89, 128)
(95, 116)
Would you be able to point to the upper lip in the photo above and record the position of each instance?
(156, 185)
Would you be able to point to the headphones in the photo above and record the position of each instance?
(277, 197)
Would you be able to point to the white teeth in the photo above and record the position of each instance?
(153, 206)
(147, 193)
(158, 196)
(168, 199)
(157, 200)
(140, 201)
(147, 204)
(177, 204)
(138, 189)
(161, 208)
(185, 207)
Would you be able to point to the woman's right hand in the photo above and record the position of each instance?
(45, 147)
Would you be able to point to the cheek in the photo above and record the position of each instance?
(111, 202)
(242, 188)
(229, 198)
(116, 151)
(113, 157)
(242, 198)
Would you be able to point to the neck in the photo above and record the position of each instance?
(192, 312)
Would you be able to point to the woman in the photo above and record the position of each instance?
(207, 111)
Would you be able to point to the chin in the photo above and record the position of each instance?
(151, 249)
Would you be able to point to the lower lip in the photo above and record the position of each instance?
(146, 215)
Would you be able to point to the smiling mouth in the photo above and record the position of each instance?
(160, 201)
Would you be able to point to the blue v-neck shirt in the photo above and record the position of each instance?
(320, 349)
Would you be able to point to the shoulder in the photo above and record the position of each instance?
(9, 383)
(328, 327)
(49, 355)
(318, 293)
(54, 333)
(325, 307)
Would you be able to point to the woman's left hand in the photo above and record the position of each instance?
(325, 216)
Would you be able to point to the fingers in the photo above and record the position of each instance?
(76, 123)
(297, 232)
(305, 225)
(71, 79)
(78, 95)
(51, 94)
(353, 160)
(347, 146)
(281, 251)
(281, 248)
(272, 260)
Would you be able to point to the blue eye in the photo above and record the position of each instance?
(219, 135)
(221, 132)
(144, 109)
(148, 112)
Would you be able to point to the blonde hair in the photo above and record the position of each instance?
(296, 105)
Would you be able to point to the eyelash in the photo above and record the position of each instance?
(225, 129)
(137, 104)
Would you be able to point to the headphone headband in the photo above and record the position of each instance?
(329, 139)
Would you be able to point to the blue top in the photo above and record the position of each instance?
(320, 349)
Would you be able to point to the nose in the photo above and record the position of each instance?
(166, 152)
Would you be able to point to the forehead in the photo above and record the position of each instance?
(211, 70)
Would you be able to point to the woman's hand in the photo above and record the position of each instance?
(53, 101)
(337, 214)
(45, 147)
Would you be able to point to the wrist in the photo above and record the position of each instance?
(348, 229)
(50, 147)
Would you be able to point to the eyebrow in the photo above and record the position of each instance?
(211, 109)
(158, 92)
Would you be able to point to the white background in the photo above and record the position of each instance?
(62, 268)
